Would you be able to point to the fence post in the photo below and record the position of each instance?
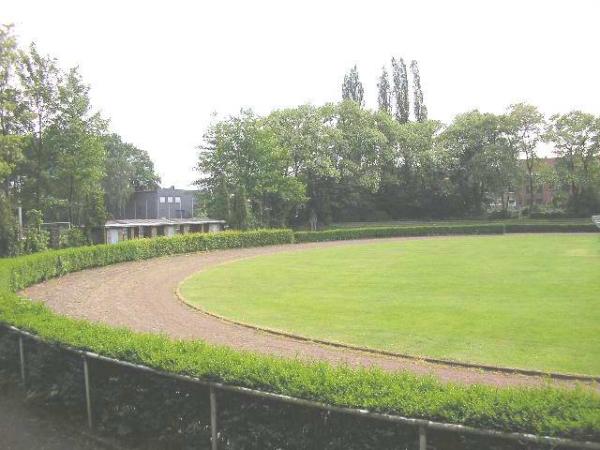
(22, 359)
(88, 400)
(213, 418)
(422, 438)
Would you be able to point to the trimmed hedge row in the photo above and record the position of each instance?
(544, 410)
(381, 232)
(439, 230)
(26, 270)
(571, 413)
(551, 228)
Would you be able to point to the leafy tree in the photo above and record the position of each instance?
(308, 135)
(127, 169)
(245, 171)
(352, 88)
(11, 106)
(576, 140)
(400, 77)
(482, 164)
(76, 145)
(11, 143)
(524, 128)
(419, 107)
(384, 95)
(40, 80)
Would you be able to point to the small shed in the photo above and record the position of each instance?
(122, 230)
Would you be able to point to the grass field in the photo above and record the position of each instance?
(528, 301)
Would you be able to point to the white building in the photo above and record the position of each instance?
(122, 230)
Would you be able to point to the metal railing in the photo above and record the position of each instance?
(422, 425)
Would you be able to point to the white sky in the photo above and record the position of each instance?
(159, 70)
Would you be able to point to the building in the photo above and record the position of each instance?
(162, 203)
(125, 229)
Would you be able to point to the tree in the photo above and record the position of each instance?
(78, 153)
(419, 107)
(40, 79)
(352, 88)
(400, 77)
(246, 173)
(127, 169)
(11, 142)
(482, 164)
(524, 128)
(576, 140)
(383, 93)
(308, 135)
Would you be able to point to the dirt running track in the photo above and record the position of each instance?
(140, 295)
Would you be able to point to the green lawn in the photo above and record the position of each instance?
(528, 301)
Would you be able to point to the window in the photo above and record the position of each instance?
(162, 199)
(177, 199)
(170, 200)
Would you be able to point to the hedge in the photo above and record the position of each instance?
(381, 232)
(551, 228)
(439, 230)
(26, 270)
(547, 410)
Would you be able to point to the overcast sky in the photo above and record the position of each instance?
(159, 70)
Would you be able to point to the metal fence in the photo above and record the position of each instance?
(421, 424)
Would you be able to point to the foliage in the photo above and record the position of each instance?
(9, 230)
(483, 163)
(576, 138)
(36, 239)
(400, 77)
(539, 410)
(73, 237)
(524, 127)
(56, 153)
(352, 88)
(379, 232)
(247, 173)
(420, 109)
(384, 94)
(127, 169)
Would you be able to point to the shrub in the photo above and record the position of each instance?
(73, 237)
(549, 214)
(551, 228)
(36, 239)
(380, 232)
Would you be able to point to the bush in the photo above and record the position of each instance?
(26, 270)
(551, 228)
(549, 214)
(73, 237)
(381, 232)
(36, 239)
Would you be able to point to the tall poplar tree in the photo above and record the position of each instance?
(400, 77)
(384, 95)
(419, 107)
(352, 88)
